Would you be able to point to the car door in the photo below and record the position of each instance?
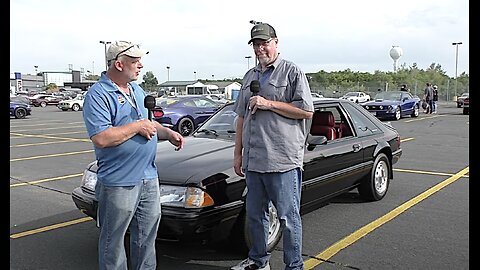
(333, 167)
(407, 103)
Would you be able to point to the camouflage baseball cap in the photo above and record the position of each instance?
(262, 31)
(119, 48)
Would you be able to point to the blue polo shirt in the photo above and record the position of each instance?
(106, 106)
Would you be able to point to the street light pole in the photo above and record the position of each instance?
(168, 73)
(105, 44)
(195, 75)
(456, 64)
(248, 61)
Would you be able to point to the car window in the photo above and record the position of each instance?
(361, 123)
(339, 128)
(204, 103)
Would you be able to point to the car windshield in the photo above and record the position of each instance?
(351, 94)
(165, 101)
(388, 96)
(224, 121)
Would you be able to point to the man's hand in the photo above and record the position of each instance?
(259, 102)
(146, 128)
(177, 140)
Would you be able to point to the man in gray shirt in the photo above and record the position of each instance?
(269, 147)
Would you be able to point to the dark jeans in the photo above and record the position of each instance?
(430, 106)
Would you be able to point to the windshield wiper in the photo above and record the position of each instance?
(209, 131)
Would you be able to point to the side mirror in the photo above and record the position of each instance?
(313, 141)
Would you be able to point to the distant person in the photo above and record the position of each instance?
(269, 148)
(435, 98)
(404, 88)
(428, 97)
(125, 143)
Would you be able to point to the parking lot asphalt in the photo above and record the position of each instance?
(422, 223)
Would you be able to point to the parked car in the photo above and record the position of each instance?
(203, 199)
(316, 96)
(466, 105)
(42, 100)
(75, 104)
(19, 108)
(184, 113)
(460, 99)
(219, 98)
(393, 105)
(357, 97)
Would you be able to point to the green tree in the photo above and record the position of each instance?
(150, 82)
(92, 77)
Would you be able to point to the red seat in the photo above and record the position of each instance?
(323, 124)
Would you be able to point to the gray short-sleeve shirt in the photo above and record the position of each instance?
(272, 142)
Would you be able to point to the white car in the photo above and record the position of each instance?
(75, 104)
(357, 97)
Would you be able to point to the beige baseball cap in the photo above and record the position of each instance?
(118, 48)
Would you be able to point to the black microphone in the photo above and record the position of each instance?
(255, 87)
(149, 103)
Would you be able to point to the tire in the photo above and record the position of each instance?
(242, 237)
(20, 113)
(416, 111)
(375, 185)
(398, 114)
(185, 126)
(43, 104)
(75, 107)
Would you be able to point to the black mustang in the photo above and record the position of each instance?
(202, 197)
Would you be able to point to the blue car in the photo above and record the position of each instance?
(183, 113)
(19, 109)
(393, 105)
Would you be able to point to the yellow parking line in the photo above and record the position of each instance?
(50, 137)
(49, 228)
(423, 118)
(46, 180)
(52, 155)
(406, 139)
(357, 235)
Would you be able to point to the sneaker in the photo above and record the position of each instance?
(248, 264)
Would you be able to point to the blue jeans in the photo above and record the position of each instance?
(284, 191)
(136, 208)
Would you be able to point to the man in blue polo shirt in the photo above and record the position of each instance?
(125, 143)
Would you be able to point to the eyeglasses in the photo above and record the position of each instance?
(262, 44)
(118, 54)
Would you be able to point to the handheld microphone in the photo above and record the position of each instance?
(149, 103)
(255, 87)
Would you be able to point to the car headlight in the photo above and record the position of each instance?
(188, 197)
(89, 179)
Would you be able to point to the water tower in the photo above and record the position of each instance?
(395, 53)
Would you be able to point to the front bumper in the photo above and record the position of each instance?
(179, 224)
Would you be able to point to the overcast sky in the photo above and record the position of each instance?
(210, 37)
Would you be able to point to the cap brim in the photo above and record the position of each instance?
(263, 37)
(136, 53)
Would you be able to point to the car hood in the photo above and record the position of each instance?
(381, 102)
(187, 166)
(16, 103)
